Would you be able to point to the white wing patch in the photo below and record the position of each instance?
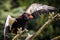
(9, 22)
(35, 7)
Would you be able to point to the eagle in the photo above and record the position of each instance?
(31, 13)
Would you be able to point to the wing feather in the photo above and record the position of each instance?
(36, 7)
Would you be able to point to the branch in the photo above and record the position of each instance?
(56, 38)
(51, 18)
(19, 33)
(29, 36)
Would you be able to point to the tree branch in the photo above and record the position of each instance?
(19, 33)
(56, 38)
(51, 18)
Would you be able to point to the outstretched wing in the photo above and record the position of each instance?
(39, 8)
(7, 27)
(36, 7)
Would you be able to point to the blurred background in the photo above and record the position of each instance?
(15, 8)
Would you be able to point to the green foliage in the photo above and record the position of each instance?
(6, 9)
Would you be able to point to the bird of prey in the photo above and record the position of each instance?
(32, 12)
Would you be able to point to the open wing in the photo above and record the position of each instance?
(36, 7)
(7, 27)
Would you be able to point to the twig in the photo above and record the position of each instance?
(52, 17)
(19, 33)
(29, 36)
(56, 38)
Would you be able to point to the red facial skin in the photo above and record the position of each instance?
(30, 17)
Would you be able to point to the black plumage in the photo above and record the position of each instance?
(20, 22)
(32, 12)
